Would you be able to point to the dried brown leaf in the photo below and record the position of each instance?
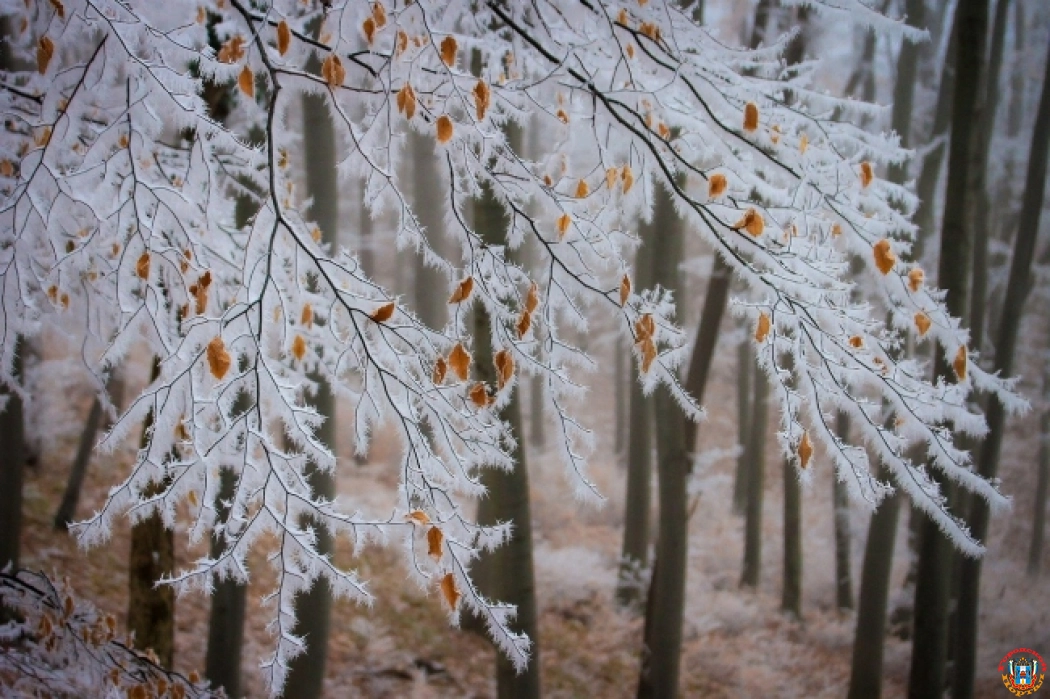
(884, 257)
(444, 129)
(763, 327)
(246, 82)
(449, 590)
(44, 51)
(625, 289)
(299, 347)
(959, 364)
(716, 185)
(440, 369)
(922, 322)
(805, 450)
(915, 279)
(750, 117)
(384, 312)
(523, 324)
(218, 358)
(449, 48)
(463, 290)
(459, 361)
(435, 539)
(143, 265)
(284, 37)
(867, 175)
(479, 394)
(504, 362)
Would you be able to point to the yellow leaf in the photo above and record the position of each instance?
(246, 81)
(44, 51)
(284, 37)
(884, 257)
(459, 361)
(803, 144)
(564, 221)
(440, 369)
(418, 517)
(582, 189)
(444, 129)
(449, 590)
(915, 279)
(479, 394)
(625, 289)
(383, 313)
(752, 222)
(922, 322)
(192, 497)
(218, 358)
(960, 363)
(462, 292)
(763, 327)
(866, 174)
(750, 116)
(716, 186)
(142, 266)
(434, 541)
(449, 47)
(299, 347)
(504, 362)
(805, 450)
(307, 316)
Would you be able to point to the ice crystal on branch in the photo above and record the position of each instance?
(116, 199)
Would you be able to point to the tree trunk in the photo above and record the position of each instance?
(635, 552)
(619, 397)
(12, 467)
(507, 573)
(661, 655)
(840, 503)
(869, 637)
(67, 509)
(756, 459)
(745, 370)
(313, 608)
(1035, 550)
(932, 588)
(1017, 288)
(429, 283)
(703, 354)
(222, 664)
(791, 594)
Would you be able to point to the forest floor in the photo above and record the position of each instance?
(736, 643)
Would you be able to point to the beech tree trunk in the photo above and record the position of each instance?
(1017, 288)
(1035, 549)
(840, 503)
(222, 662)
(791, 593)
(12, 467)
(313, 608)
(745, 369)
(151, 608)
(429, 284)
(661, 655)
(756, 458)
(932, 587)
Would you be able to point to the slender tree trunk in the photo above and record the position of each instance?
(1035, 550)
(661, 655)
(222, 664)
(703, 354)
(869, 637)
(932, 589)
(791, 594)
(507, 573)
(12, 467)
(620, 397)
(67, 509)
(1017, 289)
(756, 459)
(313, 608)
(840, 503)
(635, 552)
(151, 607)
(745, 368)
(430, 284)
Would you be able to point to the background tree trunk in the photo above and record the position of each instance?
(1035, 549)
(840, 503)
(429, 284)
(12, 467)
(1017, 289)
(745, 370)
(756, 459)
(932, 589)
(791, 594)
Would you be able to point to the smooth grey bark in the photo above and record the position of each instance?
(840, 505)
(791, 590)
(506, 574)
(67, 509)
(756, 458)
(745, 370)
(1017, 289)
(429, 284)
(634, 556)
(313, 608)
(869, 636)
(151, 608)
(12, 467)
(661, 655)
(932, 587)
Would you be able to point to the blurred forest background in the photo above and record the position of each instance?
(773, 613)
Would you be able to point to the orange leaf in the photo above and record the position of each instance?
(462, 292)
(627, 175)
(752, 222)
(750, 116)
(856, 342)
(648, 354)
(884, 257)
(482, 98)
(532, 299)
(368, 27)
(960, 363)
(922, 322)
(504, 368)
(524, 323)
(449, 590)
(762, 330)
(564, 221)
(459, 361)
(479, 394)
(582, 189)
(406, 101)
(44, 51)
(60, 9)
(218, 358)
(284, 37)
(803, 144)
(866, 174)
(418, 517)
(440, 369)
(625, 289)
(246, 81)
(449, 47)
(915, 279)
(332, 70)
(299, 347)
(611, 175)
(563, 117)
(836, 230)
(805, 450)
(644, 328)
(384, 312)
(307, 316)
(142, 266)
(402, 42)
(434, 541)
(379, 13)
(444, 129)
(716, 186)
